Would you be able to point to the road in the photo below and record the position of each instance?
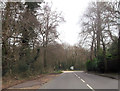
(81, 80)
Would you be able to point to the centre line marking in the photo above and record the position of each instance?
(76, 75)
(90, 87)
(82, 80)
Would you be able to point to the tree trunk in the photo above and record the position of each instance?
(119, 48)
(45, 61)
(104, 54)
(98, 28)
(92, 51)
(44, 52)
(92, 46)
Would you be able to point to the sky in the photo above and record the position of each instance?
(72, 11)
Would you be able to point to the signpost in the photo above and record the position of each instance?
(72, 67)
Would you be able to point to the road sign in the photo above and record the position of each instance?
(72, 67)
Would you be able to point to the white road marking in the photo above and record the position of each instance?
(82, 80)
(76, 75)
(90, 87)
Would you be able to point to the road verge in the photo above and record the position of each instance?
(109, 75)
(31, 82)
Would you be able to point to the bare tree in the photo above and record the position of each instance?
(99, 26)
(49, 20)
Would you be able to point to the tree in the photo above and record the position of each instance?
(99, 27)
(9, 15)
(49, 20)
(17, 33)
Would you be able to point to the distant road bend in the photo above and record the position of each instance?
(80, 80)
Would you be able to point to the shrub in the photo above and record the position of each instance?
(22, 67)
(100, 63)
(92, 65)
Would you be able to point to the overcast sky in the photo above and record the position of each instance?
(72, 11)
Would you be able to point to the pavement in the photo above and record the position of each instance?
(81, 80)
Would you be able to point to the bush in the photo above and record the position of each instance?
(92, 65)
(22, 67)
(100, 62)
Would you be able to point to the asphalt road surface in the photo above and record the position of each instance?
(80, 80)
